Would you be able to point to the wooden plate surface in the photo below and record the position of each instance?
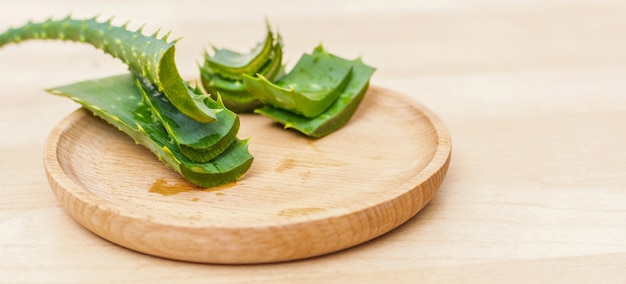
(301, 198)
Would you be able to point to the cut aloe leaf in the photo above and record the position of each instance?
(199, 141)
(308, 89)
(119, 102)
(225, 80)
(148, 56)
(212, 80)
(339, 113)
(274, 68)
(233, 93)
(238, 102)
(232, 65)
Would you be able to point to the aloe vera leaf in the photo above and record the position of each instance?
(232, 65)
(308, 89)
(118, 101)
(339, 113)
(148, 56)
(274, 68)
(233, 92)
(214, 81)
(238, 102)
(199, 141)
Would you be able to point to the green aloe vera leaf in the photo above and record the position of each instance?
(231, 64)
(233, 92)
(148, 56)
(338, 114)
(214, 82)
(308, 89)
(118, 101)
(244, 103)
(199, 141)
(274, 67)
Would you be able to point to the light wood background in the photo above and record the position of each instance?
(533, 92)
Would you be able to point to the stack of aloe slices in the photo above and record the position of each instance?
(124, 103)
(187, 130)
(317, 97)
(223, 70)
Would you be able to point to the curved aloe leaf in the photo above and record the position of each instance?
(339, 113)
(198, 141)
(148, 56)
(233, 93)
(232, 65)
(226, 81)
(271, 70)
(117, 100)
(274, 68)
(308, 89)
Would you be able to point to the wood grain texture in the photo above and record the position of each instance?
(302, 197)
(533, 92)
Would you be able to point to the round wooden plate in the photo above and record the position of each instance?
(301, 197)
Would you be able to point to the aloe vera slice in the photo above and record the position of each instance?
(214, 81)
(339, 113)
(232, 65)
(308, 89)
(119, 102)
(148, 56)
(274, 68)
(198, 141)
(233, 92)
(230, 87)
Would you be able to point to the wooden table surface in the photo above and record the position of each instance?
(533, 92)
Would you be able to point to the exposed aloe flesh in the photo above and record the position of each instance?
(148, 56)
(339, 113)
(232, 65)
(270, 70)
(233, 93)
(214, 82)
(308, 89)
(118, 101)
(238, 102)
(198, 141)
(274, 68)
(226, 80)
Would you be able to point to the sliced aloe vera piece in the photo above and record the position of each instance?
(238, 102)
(117, 100)
(274, 68)
(232, 65)
(339, 113)
(148, 56)
(308, 89)
(200, 142)
(232, 90)
(214, 81)
(233, 93)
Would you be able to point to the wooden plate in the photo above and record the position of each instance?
(301, 197)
